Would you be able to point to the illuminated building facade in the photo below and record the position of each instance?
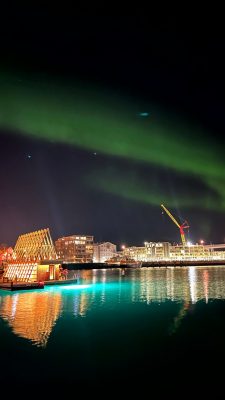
(33, 259)
(190, 251)
(151, 251)
(157, 250)
(75, 248)
(135, 253)
(103, 252)
(165, 251)
(217, 250)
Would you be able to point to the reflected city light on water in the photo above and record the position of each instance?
(192, 280)
(32, 315)
(74, 287)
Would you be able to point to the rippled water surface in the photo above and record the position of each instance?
(116, 323)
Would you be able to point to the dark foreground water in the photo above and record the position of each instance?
(127, 326)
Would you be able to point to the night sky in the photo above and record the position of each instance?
(102, 119)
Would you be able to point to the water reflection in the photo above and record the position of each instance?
(192, 283)
(32, 315)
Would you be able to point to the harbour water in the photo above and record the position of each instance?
(122, 323)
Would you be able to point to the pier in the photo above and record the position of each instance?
(183, 263)
(21, 285)
(152, 264)
(34, 285)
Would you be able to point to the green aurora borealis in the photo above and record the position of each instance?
(130, 184)
(106, 123)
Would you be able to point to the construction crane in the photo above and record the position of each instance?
(181, 227)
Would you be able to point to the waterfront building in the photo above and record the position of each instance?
(190, 251)
(75, 248)
(150, 251)
(157, 250)
(165, 251)
(135, 253)
(34, 258)
(217, 250)
(103, 252)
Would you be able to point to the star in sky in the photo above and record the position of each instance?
(143, 114)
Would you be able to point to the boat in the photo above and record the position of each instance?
(130, 263)
(124, 262)
(135, 265)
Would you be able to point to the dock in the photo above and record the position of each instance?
(146, 264)
(35, 285)
(21, 285)
(184, 263)
(61, 282)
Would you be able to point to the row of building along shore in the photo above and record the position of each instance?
(36, 258)
(83, 249)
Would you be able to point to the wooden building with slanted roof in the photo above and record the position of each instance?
(34, 258)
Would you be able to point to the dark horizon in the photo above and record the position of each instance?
(102, 120)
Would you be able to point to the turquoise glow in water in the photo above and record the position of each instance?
(124, 322)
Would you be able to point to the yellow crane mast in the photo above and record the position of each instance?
(180, 226)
